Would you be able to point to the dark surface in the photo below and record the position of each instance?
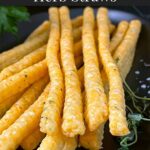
(141, 63)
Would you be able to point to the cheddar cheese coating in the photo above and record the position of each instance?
(117, 114)
(73, 123)
(51, 115)
(96, 108)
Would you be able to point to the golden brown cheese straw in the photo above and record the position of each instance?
(81, 77)
(77, 34)
(45, 26)
(119, 35)
(117, 115)
(111, 28)
(73, 123)
(24, 125)
(92, 140)
(23, 103)
(25, 62)
(22, 80)
(127, 47)
(51, 142)
(79, 61)
(96, 108)
(51, 115)
(58, 142)
(70, 143)
(78, 48)
(8, 103)
(13, 55)
(33, 140)
(77, 22)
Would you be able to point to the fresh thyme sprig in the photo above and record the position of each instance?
(133, 94)
(134, 119)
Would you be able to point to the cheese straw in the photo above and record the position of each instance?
(118, 35)
(92, 139)
(24, 125)
(77, 34)
(73, 123)
(58, 142)
(33, 140)
(4, 106)
(51, 115)
(117, 114)
(96, 108)
(77, 22)
(44, 27)
(127, 47)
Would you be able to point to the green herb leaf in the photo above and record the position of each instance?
(135, 117)
(10, 16)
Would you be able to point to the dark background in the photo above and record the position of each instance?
(143, 11)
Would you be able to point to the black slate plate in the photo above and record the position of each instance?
(138, 81)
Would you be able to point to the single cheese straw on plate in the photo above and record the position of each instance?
(32, 141)
(58, 142)
(51, 115)
(73, 123)
(127, 47)
(117, 114)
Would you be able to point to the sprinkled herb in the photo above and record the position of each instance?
(117, 59)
